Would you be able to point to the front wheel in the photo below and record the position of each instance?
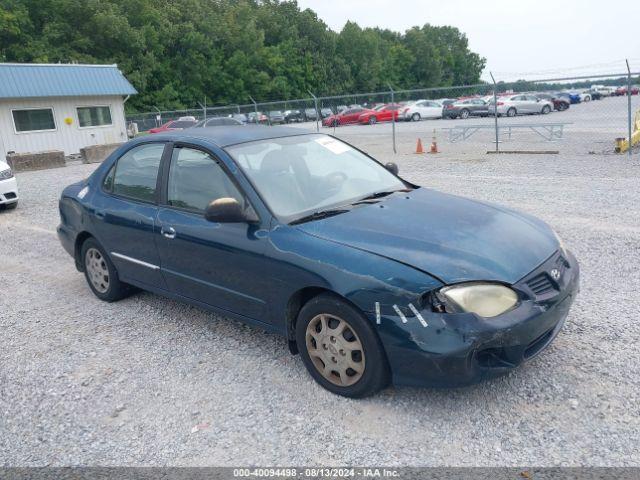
(101, 273)
(340, 348)
(546, 109)
(464, 113)
(415, 117)
(372, 120)
(511, 112)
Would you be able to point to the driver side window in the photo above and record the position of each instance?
(196, 179)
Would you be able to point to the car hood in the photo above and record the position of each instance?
(452, 238)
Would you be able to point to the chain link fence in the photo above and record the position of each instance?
(574, 115)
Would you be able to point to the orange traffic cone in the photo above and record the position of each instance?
(419, 148)
(434, 144)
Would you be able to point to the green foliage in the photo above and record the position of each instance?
(177, 51)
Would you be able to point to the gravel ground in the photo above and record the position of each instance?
(149, 381)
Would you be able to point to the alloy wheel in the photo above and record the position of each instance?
(335, 349)
(97, 270)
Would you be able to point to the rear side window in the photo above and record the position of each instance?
(136, 172)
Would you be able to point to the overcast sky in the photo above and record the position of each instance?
(519, 38)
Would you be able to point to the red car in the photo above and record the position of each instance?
(179, 124)
(350, 115)
(381, 113)
(623, 91)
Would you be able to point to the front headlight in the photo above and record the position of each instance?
(484, 299)
(6, 174)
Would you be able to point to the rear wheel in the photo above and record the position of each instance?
(415, 117)
(587, 98)
(546, 109)
(464, 113)
(511, 112)
(340, 349)
(372, 120)
(101, 273)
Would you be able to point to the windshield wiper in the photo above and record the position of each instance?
(318, 215)
(380, 194)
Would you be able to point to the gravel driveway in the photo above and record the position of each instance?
(149, 381)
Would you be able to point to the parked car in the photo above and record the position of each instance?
(326, 112)
(8, 187)
(310, 114)
(293, 116)
(350, 115)
(241, 117)
(573, 97)
(257, 117)
(623, 90)
(381, 113)
(370, 278)
(585, 96)
(513, 105)
(180, 124)
(421, 109)
(595, 95)
(217, 122)
(605, 91)
(275, 117)
(466, 108)
(559, 103)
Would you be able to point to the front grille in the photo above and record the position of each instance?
(540, 284)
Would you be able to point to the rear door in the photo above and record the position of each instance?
(125, 213)
(219, 264)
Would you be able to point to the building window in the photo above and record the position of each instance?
(94, 116)
(33, 120)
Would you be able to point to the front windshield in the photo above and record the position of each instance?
(308, 173)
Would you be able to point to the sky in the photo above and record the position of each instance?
(532, 39)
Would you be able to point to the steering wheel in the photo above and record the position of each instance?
(333, 182)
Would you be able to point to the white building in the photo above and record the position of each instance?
(61, 107)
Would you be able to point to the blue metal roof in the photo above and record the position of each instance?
(27, 80)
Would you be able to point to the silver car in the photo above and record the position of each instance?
(520, 104)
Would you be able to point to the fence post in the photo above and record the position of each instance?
(255, 109)
(393, 120)
(315, 101)
(629, 106)
(495, 108)
(158, 117)
(204, 108)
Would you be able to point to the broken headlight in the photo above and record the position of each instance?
(484, 299)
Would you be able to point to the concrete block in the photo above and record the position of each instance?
(21, 162)
(97, 153)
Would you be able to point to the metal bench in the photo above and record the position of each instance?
(548, 131)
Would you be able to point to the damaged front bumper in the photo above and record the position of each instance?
(457, 349)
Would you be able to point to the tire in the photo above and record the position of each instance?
(512, 112)
(464, 113)
(545, 110)
(562, 107)
(358, 345)
(416, 117)
(373, 120)
(109, 288)
(11, 206)
(587, 98)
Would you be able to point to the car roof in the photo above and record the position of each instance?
(223, 136)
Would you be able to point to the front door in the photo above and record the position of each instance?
(125, 213)
(220, 264)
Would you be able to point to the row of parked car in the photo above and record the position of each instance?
(508, 104)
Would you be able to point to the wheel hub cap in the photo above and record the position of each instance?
(97, 270)
(335, 350)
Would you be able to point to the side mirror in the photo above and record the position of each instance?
(227, 210)
(392, 167)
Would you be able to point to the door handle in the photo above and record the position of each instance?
(100, 214)
(168, 232)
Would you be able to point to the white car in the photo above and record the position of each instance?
(513, 105)
(422, 109)
(8, 187)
